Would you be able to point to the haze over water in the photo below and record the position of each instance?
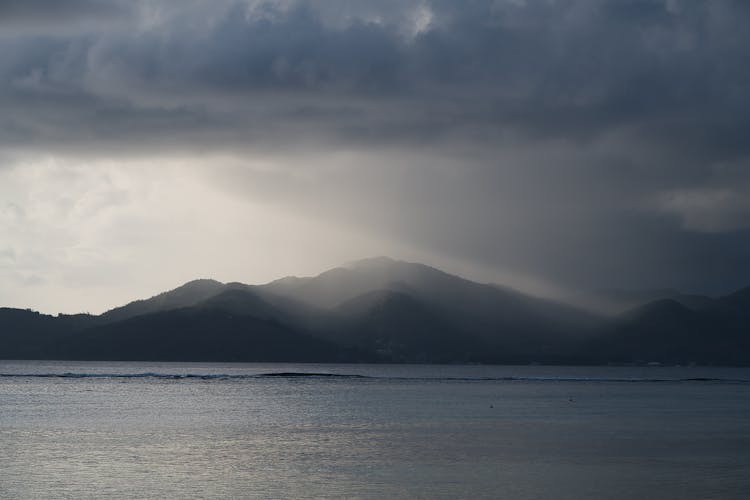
(188, 430)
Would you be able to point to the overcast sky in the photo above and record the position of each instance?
(551, 145)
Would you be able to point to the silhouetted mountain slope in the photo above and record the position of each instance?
(22, 332)
(383, 310)
(490, 308)
(400, 328)
(335, 286)
(256, 301)
(199, 334)
(28, 334)
(616, 301)
(187, 295)
(241, 301)
(668, 332)
(739, 301)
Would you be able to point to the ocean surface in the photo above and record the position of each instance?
(196, 430)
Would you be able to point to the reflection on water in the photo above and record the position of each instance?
(397, 431)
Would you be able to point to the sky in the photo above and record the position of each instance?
(555, 146)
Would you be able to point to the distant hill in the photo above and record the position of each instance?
(384, 310)
(199, 334)
(187, 295)
(26, 334)
(399, 327)
(619, 301)
(668, 331)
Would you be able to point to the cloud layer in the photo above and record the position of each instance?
(575, 143)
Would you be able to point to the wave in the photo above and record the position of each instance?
(326, 375)
(180, 376)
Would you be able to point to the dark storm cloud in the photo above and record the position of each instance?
(47, 10)
(673, 75)
(26, 17)
(551, 133)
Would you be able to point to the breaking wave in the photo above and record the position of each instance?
(326, 375)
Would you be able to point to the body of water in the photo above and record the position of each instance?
(196, 430)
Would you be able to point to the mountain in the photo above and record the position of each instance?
(401, 328)
(667, 331)
(26, 334)
(488, 307)
(187, 295)
(739, 301)
(199, 334)
(617, 301)
(479, 322)
(384, 310)
(238, 298)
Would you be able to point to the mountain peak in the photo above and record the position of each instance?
(395, 267)
(198, 283)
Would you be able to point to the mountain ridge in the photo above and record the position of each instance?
(383, 310)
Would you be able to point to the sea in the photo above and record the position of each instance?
(208, 430)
